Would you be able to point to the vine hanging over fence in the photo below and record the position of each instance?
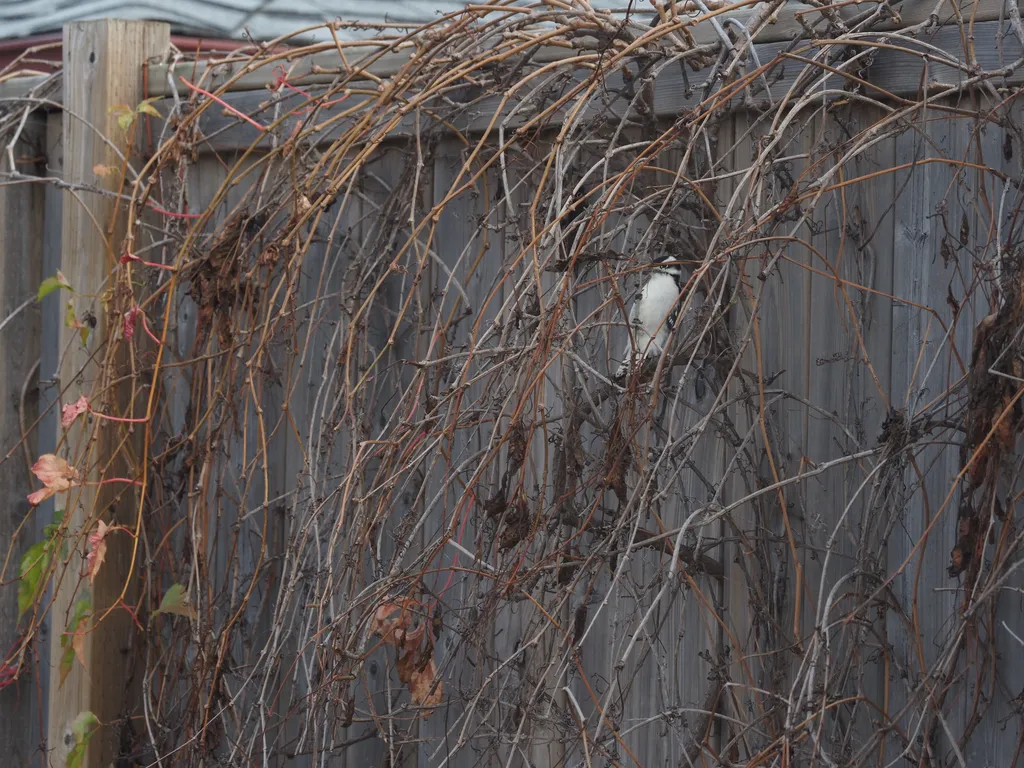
(390, 500)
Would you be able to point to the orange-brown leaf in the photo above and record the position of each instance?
(421, 683)
(393, 621)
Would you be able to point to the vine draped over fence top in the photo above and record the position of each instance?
(390, 497)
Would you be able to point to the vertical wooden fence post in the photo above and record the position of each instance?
(103, 68)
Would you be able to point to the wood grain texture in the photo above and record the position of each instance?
(102, 68)
(931, 347)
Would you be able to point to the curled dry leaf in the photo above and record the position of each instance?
(422, 687)
(393, 621)
(96, 549)
(402, 622)
(55, 474)
(419, 677)
(73, 410)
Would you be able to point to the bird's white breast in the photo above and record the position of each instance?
(657, 299)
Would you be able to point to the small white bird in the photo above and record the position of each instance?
(654, 314)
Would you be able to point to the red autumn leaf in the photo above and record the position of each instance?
(72, 411)
(96, 549)
(55, 474)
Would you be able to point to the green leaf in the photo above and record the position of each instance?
(71, 642)
(176, 601)
(67, 661)
(125, 120)
(51, 530)
(146, 107)
(84, 724)
(33, 564)
(83, 727)
(51, 284)
(83, 608)
(71, 321)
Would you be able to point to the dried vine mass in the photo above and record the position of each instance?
(405, 515)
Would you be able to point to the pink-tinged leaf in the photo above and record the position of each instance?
(55, 474)
(73, 410)
(96, 549)
(130, 319)
(38, 497)
(103, 170)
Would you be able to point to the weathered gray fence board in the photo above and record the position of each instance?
(21, 262)
(382, 231)
(778, 357)
(848, 384)
(737, 557)
(927, 359)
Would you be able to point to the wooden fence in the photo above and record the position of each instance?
(788, 552)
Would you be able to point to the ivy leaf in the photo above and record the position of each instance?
(83, 727)
(177, 601)
(33, 564)
(51, 284)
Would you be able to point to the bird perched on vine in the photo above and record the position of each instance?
(654, 314)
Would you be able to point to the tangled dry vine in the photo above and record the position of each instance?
(392, 506)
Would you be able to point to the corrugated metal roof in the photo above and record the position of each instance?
(264, 19)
